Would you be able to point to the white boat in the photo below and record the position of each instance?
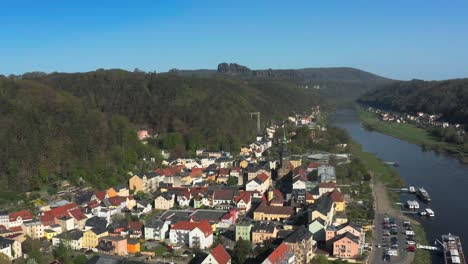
(423, 213)
(410, 204)
(412, 189)
(416, 205)
(430, 212)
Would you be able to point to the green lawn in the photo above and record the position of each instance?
(410, 133)
(383, 172)
(422, 256)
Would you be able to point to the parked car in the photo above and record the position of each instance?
(411, 242)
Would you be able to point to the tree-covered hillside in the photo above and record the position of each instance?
(448, 98)
(46, 135)
(192, 111)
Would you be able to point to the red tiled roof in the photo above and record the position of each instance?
(100, 195)
(309, 196)
(204, 226)
(117, 200)
(313, 165)
(223, 172)
(196, 172)
(237, 169)
(281, 210)
(169, 171)
(135, 226)
(263, 177)
(25, 215)
(16, 229)
(244, 196)
(57, 212)
(279, 254)
(336, 196)
(226, 195)
(180, 191)
(77, 214)
(220, 255)
(198, 190)
(93, 204)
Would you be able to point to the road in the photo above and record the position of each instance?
(384, 208)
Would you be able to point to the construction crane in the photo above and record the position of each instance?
(258, 120)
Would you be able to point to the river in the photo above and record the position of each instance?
(444, 177)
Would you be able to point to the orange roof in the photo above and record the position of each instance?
(309, 196)
(279, 254)
(204, 226)
(220, 254)
(25, 215)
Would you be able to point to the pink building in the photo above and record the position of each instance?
(143, 134)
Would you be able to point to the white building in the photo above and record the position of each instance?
(192, 234)
(72, 238)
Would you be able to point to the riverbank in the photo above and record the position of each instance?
(383, 178)
(410, 133)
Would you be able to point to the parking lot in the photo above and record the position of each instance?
(391, 240)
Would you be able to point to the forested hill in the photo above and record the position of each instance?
(47, 135)
(449, 98)
(211, 111)
(83, 125)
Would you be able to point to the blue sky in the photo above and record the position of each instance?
(399, 39)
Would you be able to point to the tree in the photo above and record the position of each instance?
(80, 259)
(232, 181)
(320, 259)
(242, 250)
(4, 259)
(62, 253)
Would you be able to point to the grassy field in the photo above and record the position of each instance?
(422, 256)
(410, 133)
(384, 173)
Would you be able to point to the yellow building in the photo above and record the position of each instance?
(49, 234)
(273, 213)
(164, 202)
(91, 237)
(263, 232)
(136, 184)
(338, 199)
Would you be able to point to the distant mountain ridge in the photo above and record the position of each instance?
(335, 83)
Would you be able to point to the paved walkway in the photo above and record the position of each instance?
(383, 207)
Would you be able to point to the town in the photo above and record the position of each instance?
(422, 119)
(215, 208)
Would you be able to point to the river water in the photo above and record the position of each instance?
(444, 177)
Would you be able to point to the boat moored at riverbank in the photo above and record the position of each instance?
(453, 250)
(423, 195)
